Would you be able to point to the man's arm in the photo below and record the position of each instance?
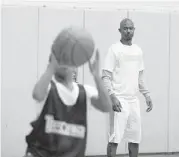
(142, 87)
(107, 79)
(109, 66)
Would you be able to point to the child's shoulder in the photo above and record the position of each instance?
(91, 91)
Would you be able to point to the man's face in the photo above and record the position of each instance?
(127, 30)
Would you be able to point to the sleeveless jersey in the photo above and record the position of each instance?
(60, 130)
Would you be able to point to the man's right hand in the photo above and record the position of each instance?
(116, 103)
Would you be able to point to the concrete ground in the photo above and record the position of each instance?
(146, 155)
(174, 155)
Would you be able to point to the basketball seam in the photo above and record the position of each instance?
(82, 48)
(71, 38)
(72, 54)
(62, 47)
(74, 41)
(86, 53)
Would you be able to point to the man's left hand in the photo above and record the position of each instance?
(149, 104)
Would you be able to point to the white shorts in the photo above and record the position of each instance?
(126, 125)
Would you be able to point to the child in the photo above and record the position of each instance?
(61, 128)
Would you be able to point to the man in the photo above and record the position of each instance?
(123, 77)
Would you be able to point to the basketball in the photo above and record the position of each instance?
(73, 46)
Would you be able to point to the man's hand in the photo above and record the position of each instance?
(149, 104)
(116, 103)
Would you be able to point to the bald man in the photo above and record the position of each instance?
(123, 77)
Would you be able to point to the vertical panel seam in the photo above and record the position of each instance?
(83, 76)
(127, 13)
(126, 143)
(38, 19)
(2, 37)
(168, 120)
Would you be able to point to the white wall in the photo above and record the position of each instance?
(152, 34)
(96, 3)
(27, 35)
(19, 73)
(174, 85)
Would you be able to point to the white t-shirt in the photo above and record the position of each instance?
(124, 62)
(69, 97)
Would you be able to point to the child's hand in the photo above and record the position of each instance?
(54, 65)
(94, 66)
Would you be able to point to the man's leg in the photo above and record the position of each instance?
(134, 129)
(111, 149)
(133, 149)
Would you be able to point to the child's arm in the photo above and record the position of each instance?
(102, 101)
(40, 90)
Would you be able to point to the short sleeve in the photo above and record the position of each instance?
(91, 91)
(141, 62)
(109, 62)
(141, 68)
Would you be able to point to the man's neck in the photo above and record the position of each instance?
(126, 42)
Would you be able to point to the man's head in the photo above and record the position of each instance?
(126, 29)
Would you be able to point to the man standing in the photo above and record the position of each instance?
(123, 77)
